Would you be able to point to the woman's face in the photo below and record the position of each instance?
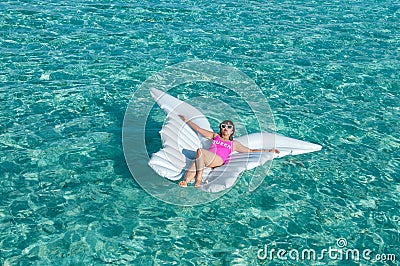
(226, 127)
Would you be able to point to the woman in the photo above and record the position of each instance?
(222, 146)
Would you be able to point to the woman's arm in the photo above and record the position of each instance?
(205, 133)
(237, 146)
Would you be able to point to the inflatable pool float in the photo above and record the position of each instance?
(180, 143)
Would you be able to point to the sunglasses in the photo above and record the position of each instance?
(226, 126)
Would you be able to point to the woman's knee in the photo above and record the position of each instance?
(199, 152)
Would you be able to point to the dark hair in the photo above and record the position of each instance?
(233, 129)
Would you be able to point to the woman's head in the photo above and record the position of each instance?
(227, 125)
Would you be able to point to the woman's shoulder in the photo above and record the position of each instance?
(215, 135)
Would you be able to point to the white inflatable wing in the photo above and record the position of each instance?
(180, 143)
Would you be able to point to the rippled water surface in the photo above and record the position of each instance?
(68, 69)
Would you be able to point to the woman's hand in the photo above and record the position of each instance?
(274, 150)
(183, 118)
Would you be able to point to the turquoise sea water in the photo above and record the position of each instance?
(67, 72)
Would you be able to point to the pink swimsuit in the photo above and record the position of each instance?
(221, 148)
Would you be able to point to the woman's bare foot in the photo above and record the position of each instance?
(198, 184)
(183, 183)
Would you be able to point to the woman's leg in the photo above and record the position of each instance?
(200, 164)
(190, 174)
(205, 158)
